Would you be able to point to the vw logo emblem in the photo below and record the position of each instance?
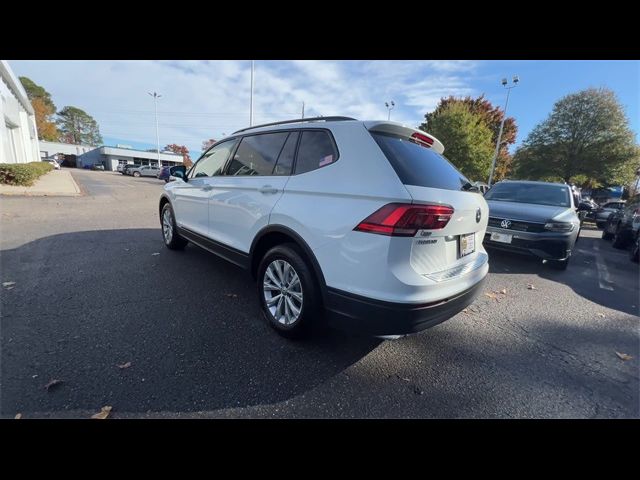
(505, 223)
(478, 215)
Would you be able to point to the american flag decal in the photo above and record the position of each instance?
(326, 161)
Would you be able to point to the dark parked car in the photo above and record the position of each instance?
(534, 218)
(622, 226)
(164, 174)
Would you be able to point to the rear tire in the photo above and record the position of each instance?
(559, 264)
(287, 282)
(634, 252)
(620, 239)
(170, 235)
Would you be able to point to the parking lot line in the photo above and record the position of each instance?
(603, 273)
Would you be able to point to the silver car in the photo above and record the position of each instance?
(144, 171)
(603, 212)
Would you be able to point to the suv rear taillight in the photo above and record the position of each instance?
(404, 220)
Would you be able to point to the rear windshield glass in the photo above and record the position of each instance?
(530, 193)
(418, 165)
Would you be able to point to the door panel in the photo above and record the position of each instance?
(191, 203)
(240, 207)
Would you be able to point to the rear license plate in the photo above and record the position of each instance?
(467, 244)
(501, 237)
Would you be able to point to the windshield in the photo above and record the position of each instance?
(539, 194)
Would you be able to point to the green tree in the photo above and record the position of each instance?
(466, 137)
(492, 116)
(585, 139)
(77, 126)
(43, 108)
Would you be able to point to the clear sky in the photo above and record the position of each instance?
(206, 99)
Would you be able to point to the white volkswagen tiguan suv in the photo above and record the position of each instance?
(360, 225)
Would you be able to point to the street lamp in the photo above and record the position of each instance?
(505, 84)
(389, 108)
(156, 96)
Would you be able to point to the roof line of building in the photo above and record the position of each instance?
(16, 86)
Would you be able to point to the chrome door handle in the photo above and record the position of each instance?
(268, 189)
(207, 188)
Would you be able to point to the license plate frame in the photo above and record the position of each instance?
(501, 237)
(466, 244)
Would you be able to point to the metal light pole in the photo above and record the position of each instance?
(155, 107)
(504, 82)
(389, 108)
(302, 110)
(251, 107)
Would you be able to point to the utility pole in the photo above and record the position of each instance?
(504, 82)
(251, 106)
(155, 107)
(302, 110)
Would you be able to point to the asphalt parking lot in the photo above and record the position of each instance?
(95, 288)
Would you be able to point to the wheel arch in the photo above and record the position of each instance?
(164, 199)
(273, 235)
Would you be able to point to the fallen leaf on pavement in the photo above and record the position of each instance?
(102, 414)
(231, 295)
(601, 315)
(52, 384)
(503, 291)
(8, 288)
(124, 365)
(156, 253)
(466, 310)
(18, 416)
(531, 286)
(491, 295)
(8, 284)
(624, 356)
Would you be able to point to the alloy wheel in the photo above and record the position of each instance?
(282, 292)
(167, 226)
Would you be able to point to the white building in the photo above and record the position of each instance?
(18, 133)
(109, 157)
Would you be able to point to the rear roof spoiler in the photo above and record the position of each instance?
(405, 131)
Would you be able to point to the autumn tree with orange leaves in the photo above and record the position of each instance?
(180, 150)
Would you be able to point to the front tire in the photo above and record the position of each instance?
(287, 291)
(170, 235)
(136, 174)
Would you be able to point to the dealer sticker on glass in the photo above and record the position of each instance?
(467, 244)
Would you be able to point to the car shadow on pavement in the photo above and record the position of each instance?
(583, 275)
(184, 327)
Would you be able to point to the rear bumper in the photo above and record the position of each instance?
(547, 247)
(347, 311)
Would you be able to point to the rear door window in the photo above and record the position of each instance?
(316, 150)
(257, 154)
(418, 165)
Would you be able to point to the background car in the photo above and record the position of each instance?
(53, 163)
(97, 166)
(164, 174)
(602, 213)
(126, 168)
(622, 225)
(144, 171)
(534, 218)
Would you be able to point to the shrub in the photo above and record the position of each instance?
(23, 174)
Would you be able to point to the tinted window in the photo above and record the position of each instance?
(316, 150)
(212, 162)
(418, 165)
(257, 154)
(285, 160)
(539, 194)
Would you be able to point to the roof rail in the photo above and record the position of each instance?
(297, 120)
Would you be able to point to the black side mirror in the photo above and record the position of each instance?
(179, 171)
